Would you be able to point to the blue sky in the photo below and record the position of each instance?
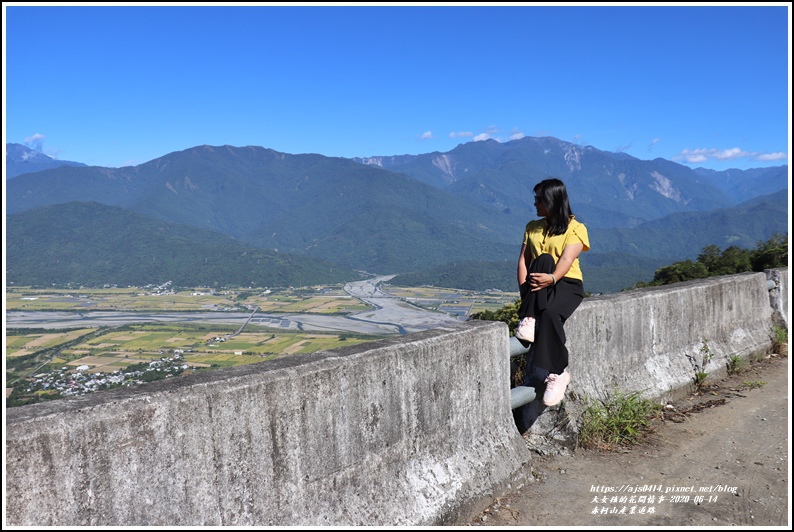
(116, 85)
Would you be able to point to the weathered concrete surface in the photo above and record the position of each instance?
(412, 430)
(653, 341)
(779, 296)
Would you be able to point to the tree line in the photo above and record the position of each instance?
(773, 253)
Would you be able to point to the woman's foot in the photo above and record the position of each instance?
(555, 388)
(526, 330)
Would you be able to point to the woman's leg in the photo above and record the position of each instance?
(549, 350)
(548, 354)
(551, 307)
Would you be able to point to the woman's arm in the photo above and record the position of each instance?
(522, 266)
(538, 281)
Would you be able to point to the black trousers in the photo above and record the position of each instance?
(550, 307)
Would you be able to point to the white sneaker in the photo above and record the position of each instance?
(526, 330)
(555, 387)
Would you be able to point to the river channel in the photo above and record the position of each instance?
(388, 315)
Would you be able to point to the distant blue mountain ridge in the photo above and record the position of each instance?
(414, 213)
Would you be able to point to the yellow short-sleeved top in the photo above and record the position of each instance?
(538, 241)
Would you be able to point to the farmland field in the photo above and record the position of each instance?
(23, 344)
(203, 344)
(82, 353)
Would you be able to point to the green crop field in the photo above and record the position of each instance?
(18, 344)
(203, 344)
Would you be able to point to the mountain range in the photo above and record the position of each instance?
(22, 160)
(409, 214)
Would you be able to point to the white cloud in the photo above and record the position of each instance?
(731, 154)
(691, 157)
(777, 156)
(516, 134)
(700, 155)
(35, 142)
(653, 143)
(489, 132)
(456, 134)
(426, 135)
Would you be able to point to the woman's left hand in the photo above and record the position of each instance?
(539, 281)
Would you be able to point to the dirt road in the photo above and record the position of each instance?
(720, 459)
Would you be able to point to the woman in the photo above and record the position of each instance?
(551, 286)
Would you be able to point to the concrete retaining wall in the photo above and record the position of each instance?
(653, 340)
(411, 430)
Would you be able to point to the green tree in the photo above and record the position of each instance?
(709, 257)
(770, 254)
(680, 271)
(732, 260)
(507, 314)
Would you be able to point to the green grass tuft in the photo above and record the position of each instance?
(617, 422)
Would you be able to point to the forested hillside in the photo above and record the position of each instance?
(92, 245)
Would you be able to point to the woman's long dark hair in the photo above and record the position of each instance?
(554, 196)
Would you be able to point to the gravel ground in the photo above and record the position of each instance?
(719, 458)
